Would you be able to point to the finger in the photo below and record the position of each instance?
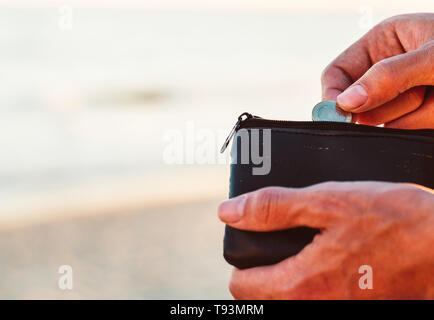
(334, 81)
(379, 43)
(422, 118)
(344, 70)
(267, 282)
(274, 208)
(286, 279)
(386, 79)
(245, 284)
(401, 105)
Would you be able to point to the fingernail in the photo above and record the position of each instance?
(232, 210)
(352, 98)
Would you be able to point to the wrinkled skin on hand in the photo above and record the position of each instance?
(388, 75)
(388, 226)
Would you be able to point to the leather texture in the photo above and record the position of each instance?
(300, 158)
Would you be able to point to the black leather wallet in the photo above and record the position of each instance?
(305, 153)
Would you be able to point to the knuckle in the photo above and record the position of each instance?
(332, 73)
(325, 188)
(325, 73)
(390, 22)
(266, 194)
(399, 18)
(265, 202)
(381, 73)
(417, 94)
(387, 22)
(384, 69)
(379, 28)
(332, 197)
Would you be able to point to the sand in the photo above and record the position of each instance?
(172, 252)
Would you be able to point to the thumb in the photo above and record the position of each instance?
(277, 208)
(388, 78)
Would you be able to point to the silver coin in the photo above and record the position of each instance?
(328, 111)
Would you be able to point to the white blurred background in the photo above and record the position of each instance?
(88, 91)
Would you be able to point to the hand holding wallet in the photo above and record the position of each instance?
(299, 154)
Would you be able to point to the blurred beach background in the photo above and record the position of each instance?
(89, 91)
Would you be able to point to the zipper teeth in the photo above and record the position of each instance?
(333, 126)
(336, 126)
(299, 124)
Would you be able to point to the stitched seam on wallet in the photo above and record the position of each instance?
(342, 135)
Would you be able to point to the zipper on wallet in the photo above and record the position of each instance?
(244, 116)
(253, 121)
(282, 123)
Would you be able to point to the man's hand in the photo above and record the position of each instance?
(387, 76)
(387, 226)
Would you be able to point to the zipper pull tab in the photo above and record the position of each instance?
(241, 118)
